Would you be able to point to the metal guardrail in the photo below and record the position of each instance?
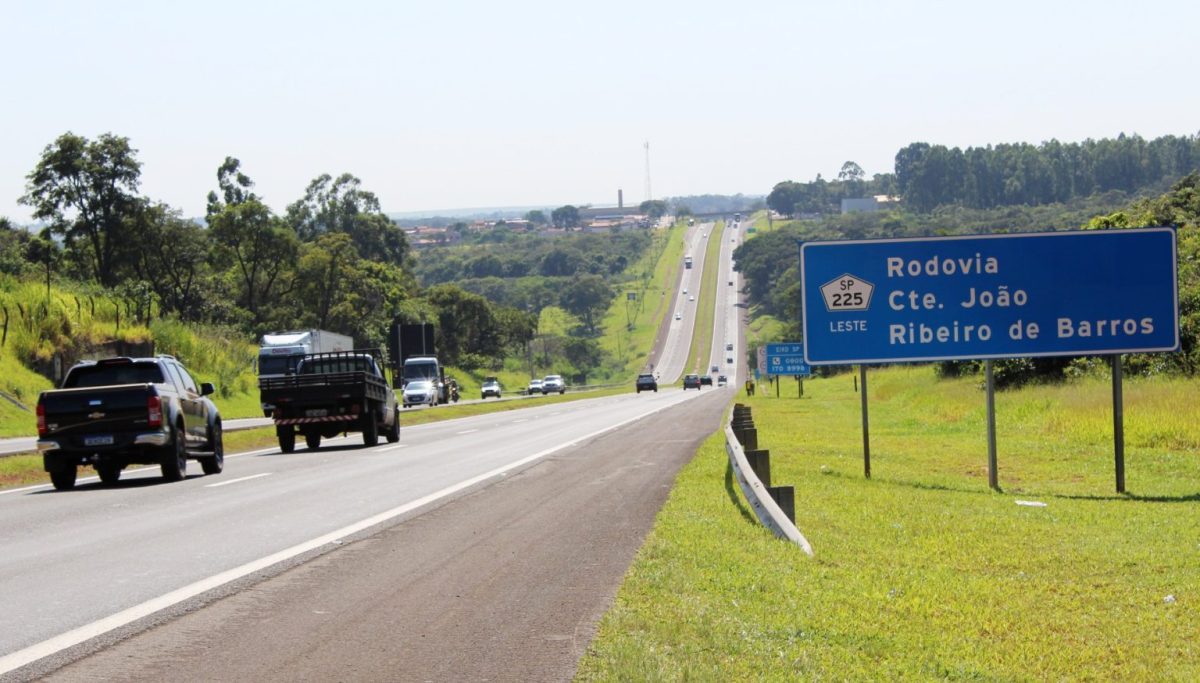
(758, 494)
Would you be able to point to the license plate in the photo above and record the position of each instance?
(97, 441)
(316, 412)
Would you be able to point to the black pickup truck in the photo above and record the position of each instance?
(122, 411)
(330, 394)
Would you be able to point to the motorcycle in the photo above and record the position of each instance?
(454, 392)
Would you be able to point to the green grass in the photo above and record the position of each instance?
(922, 572)
(660, 266)
(706, 300)
(75, 320)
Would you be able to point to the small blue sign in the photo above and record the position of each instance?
(990, 296)
(787, 359)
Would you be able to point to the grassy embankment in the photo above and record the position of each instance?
(659, 267)
(706, 299)
(922, 572)
(37, 331)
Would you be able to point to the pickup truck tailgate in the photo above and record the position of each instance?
(78, 413)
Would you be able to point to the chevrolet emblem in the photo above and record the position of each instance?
(96, 415)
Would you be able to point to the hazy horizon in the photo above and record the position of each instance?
(544, 104)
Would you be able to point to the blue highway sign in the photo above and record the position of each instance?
(787, 359)
(990, 296)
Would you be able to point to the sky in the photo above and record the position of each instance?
(443, 105)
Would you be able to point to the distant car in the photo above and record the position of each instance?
(731, 283)
(490, 387)
(721, 381)
(733, 239)
(535, 386)
(704, 234)
(679, 316)
(419, 392)
(729, 360)
(646, 382)
(553, 383)
(706, 380)
(691, 298)
(685, 290)
(691, 382)
(714, 369)
(729, 347)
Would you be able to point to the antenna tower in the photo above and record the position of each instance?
(646, 145)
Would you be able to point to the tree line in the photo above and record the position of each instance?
(332, 260)
(928, 176)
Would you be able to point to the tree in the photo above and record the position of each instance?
(326, 265)
(851, 172)
(260, 246)
(588, 297)
(654, 208)
(584, 354)
(341, 205)
(14, 244)
(536, 217)
(234, 185)
(87, 191)
(560, 262)
(785, 197)
(467, 330)
(565, 217)
(172, 258)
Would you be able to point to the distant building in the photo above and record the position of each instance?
(869, 204)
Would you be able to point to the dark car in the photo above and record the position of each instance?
(646, 382)
(124, 411)
(706, 380)
(691, 382)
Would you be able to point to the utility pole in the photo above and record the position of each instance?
(649, 196)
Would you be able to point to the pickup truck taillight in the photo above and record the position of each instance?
(154, 411)
(41, 413)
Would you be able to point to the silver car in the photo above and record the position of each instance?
(553, 383)
(418, 392)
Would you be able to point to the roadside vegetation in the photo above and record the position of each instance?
(631, 327)
(922, 572)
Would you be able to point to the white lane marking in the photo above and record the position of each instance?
(86, 632)
(467, 431)
(234, 481)
(385, 449)
(524, 419)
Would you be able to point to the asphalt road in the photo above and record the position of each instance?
(505, 584)
(478, 548)
(28, 444)
(727, 327)
(674, 356)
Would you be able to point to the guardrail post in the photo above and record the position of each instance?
(749, 437)
(760, 462)
(785, 498)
